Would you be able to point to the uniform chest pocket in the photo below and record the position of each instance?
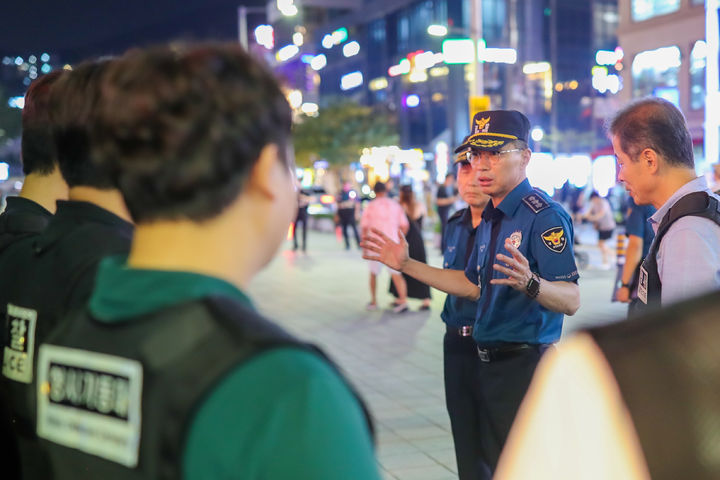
(450, 257)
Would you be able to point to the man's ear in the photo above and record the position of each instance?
(650, 160)
(263, 176)
(526, 156)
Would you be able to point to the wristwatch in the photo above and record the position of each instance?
(533, 286)
(625, 285)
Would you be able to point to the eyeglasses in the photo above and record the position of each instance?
(494, 156)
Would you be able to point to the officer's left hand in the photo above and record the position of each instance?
(516, 268)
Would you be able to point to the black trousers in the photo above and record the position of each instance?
(302, 217)
(482, 400)
(347, 219)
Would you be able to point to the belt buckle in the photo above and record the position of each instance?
(484, 354)
(466, 330)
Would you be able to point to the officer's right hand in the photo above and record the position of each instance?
(623, 295)
(382, 248)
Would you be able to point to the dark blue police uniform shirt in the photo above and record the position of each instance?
(545, 234)
(637, 224)
(458, 312)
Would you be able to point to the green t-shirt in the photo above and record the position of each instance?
(283, 414)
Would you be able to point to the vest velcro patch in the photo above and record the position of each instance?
(535, 202)
(19, 350)
(90, 401)
(554, 239)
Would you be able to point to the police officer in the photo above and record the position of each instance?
(53, 272)
(30, 211)
(521, 272)
(654, 152)
(640, 236)
(184, 379)
(459, 351)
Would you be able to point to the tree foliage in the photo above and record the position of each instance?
(340, 132)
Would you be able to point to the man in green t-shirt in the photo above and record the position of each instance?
(170, 372)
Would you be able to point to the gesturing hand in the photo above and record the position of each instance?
(384, 249)
(517, 269)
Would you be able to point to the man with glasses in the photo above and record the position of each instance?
(521, 272)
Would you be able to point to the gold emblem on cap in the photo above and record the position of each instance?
(482, 123)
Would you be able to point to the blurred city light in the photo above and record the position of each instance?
(379, 83)
(18, 61)
(536, 67)
(340, 35)
(575, 169)
(287, 52)
(603, 174)
(350, 49)
(309, 108)
(318, 62)
(298, 39)
(495, 55)
(327, 41)
(359, 176)
(400, 69)
(265, 36)
(16, 102)
(295, 98)
(351, 80)
(45, 57)
(46, 68)
(4, 171)
(537, 134)
(307, 58)
(441, 160)
(412, 101)
(458, 51)
(32, 59)
(609, 57)
(542, 173)
(439, 71)
(287, 7)
(660, 59)
(437, 30)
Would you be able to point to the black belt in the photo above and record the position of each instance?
(465, 331)
(490, 354)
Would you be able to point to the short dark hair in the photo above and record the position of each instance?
(38, 149)
(182, 127)
(657, 124)
(379, 187)
(72, 100)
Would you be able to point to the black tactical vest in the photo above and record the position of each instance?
(698, 204)
(183, 352)
(667, 365)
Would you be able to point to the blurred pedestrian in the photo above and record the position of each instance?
(415, 212)
(53, 273)
(654, 152)
(633, 400)
(348, 208)
(459, 349)
(301, 217)
(640, 236)
(30, 212)
(521, 272)
(193, 382)
(602, 217)
(386, 215)
(444, 200)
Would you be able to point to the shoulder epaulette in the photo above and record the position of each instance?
(457, 214)
(535, 202)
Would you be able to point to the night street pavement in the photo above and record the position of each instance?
(395, 360)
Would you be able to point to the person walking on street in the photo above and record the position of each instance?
(415, 212)
(521, 272)
(602, 218)
(444, 200)
(385, 215)
(459, 350)
(301, 217)
(655, 159)
(348, 207)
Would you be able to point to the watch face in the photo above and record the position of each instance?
(533, 287)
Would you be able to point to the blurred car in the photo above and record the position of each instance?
(321, 202)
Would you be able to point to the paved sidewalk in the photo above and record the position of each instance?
(395, 360)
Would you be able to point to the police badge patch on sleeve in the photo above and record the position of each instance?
(90, 401)
(19, 349)
(554, 239)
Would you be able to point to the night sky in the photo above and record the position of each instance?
(77, 29)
